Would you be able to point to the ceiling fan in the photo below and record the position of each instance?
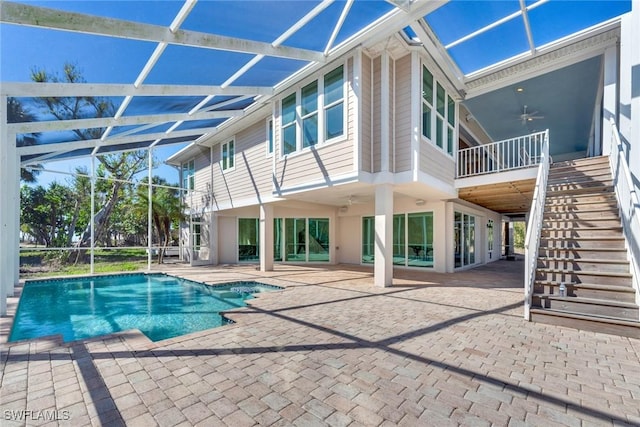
(529, 117)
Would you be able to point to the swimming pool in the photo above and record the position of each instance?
(159, 305)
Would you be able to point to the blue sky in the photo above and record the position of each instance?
(111, 60)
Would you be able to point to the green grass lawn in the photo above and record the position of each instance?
(35, 263)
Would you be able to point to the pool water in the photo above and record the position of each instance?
(160, 306)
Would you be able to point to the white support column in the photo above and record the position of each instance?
(13, 190)
(93, 212)
(149, 209)
(383, 267)
(266, 237)
(610, 95)
(6, 221)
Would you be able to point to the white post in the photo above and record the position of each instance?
(383, 266)
(16, 229)
(6, 148)
(610, 96)
(149, 210)
(93, 212)
(266, 237)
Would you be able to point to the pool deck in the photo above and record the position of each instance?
(332, 349)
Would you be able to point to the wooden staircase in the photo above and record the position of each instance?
(582, 247)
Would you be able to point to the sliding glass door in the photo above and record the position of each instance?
(465, 239)
(412, 239)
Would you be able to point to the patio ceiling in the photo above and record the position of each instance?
(176, 71)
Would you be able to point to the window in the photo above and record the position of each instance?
(309, 111)
(442, 117)
(248, 239)
(420, 239)
(228, 155)
(301, 239)
(314, 114)
(465, 239)
(412, 239)
(188, 175)
(196, 233)
(368, 239)
(318, 238)
(427, 101)
(490, 237)
(289, 138)
(399, 246)
(269, 136)
(334, 103)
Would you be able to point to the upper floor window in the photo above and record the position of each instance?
(188, 175)
(334, 103)
(269, 136)
(228, 155)
(314, 114)
(443, 116)
(289, 137)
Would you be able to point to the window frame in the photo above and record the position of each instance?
(188, 178)
(321, 112)
(443, 128)
(224, 161)
(270, 139)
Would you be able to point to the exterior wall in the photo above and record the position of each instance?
(323, 162)
(251, 176)
(350, 246)
(365, 115)
(437, 164)
(402, 114)
(629, 107)
(227, 239)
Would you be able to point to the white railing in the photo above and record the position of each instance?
(515, 153)
(532, 239)
(627, 202)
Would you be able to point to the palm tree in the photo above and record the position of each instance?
(18, 113)
(166, 209)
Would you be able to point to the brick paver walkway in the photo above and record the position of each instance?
(331, 349)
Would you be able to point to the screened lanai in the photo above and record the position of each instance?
(175, 73)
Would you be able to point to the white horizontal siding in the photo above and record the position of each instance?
(324, 160)
(376, 95)
(435, 163)
(251, 176)
(365, 114)
(403, 114)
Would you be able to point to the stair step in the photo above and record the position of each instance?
(553, 199)
(571, 233)
(598, 175)
(594, 190)
(579, 254)
(588, 290)
(606, 213)
(602, 324)
(601, 266)
(580, 222)
(617, 309)
(608, 242)
(579, 186)
(582, 161)
(583, 276)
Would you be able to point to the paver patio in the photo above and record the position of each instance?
(331, 349)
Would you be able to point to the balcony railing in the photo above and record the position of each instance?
(509, 154)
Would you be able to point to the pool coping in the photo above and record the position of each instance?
(133, 338)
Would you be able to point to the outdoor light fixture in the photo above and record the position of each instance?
(419, 202)
(519, 89)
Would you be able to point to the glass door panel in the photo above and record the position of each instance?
(295, 234)
(318, 239)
